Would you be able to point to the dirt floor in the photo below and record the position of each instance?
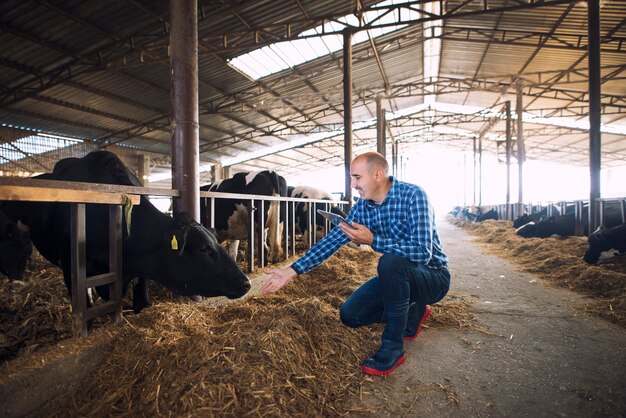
(505, 342)
(542, 352)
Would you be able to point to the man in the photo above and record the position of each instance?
(397, 220)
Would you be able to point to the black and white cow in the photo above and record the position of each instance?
(605, 242)
(304, 217)
(196, 266)
(232, 216)
(533, 217)
(490, 214)
(15, 248)
(565, 225)
(474, 213)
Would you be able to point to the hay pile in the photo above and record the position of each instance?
(285, 354)
(558, 260)
(34, 312)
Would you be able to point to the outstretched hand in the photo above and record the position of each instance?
(278, 278)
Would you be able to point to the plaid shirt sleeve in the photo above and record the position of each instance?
(319, 252)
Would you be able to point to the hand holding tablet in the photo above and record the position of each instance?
(334, 218)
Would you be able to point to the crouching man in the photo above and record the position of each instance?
(396, 219)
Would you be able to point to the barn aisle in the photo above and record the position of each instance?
(535, 357)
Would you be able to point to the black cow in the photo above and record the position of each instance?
(232, 216)
(196, 266)
(565, 225)
(303, 217)
(474, 213)
(490, 214)
(533, 217)
(15, 248)
(605, 239)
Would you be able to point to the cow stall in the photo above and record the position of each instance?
(39, 191)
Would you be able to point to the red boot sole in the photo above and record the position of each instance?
(376, 372)
(419, 326)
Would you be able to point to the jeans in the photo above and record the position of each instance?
(399, 281)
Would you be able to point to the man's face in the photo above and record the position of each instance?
(361, 179)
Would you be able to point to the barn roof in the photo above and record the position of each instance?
(99, 72)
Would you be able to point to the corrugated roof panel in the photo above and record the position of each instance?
(97, 101)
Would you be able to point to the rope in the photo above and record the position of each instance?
(127, 205)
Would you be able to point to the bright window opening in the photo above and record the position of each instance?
(283, 55)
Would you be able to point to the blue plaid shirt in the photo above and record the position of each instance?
(403, 224)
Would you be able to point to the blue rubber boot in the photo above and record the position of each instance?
(391, 354)
(418, 314)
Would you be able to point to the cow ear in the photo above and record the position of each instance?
(177, 234)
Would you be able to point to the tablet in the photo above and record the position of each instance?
(334, 218)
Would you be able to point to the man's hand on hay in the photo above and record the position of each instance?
(359, 234)
(278, 278)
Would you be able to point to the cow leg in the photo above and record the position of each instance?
(274, 233)
(141, 295)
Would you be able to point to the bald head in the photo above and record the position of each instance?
(373, 161)
(369, 174)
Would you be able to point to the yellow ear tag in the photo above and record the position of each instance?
(174, 243)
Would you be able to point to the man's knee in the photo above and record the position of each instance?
(389, 263)
(346, 318)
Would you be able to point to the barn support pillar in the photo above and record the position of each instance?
(475, 176)
(595, 158)
(217, 172)
(381, 127)
(184, 105)
(507, 106)
(143, 169)
(347, 111)
(480, 171)
(521, 154)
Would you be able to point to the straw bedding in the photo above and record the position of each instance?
(558, 260)
(285, 354)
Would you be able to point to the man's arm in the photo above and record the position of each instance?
(314, 257)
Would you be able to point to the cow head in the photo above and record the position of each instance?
(195, 264)
(597, 245)
(528, 230)
(15, 250)
(521, 220)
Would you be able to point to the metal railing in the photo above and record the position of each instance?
(580, 208)
(288, 212)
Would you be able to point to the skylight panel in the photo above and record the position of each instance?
(272, 60)
(34, 144)
(333, 43)
(243, 65)
(280, 56)
(318, 46)
(291, 54)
